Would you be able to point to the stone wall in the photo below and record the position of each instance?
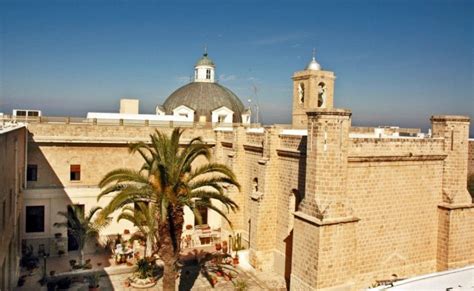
(12, 178)
(371, 206)
(470, 168)
(396, 203)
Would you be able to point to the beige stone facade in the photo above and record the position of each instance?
(322, 203)
(12, 182)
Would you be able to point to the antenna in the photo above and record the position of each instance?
(314, 53)
(205, 49)
(257, 109)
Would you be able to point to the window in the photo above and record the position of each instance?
(221, 118)
(33, 113)
(75, 174)
(34, 219)
(255, 185)
(32, 173)
(203, 212)
(195, 74)
(321, 94)
(208, 74)
(20, 113)
(301, 92)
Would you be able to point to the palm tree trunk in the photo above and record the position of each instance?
(148, 246)
(167, 254)
(81, 255)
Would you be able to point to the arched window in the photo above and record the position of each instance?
(301, 92)
(321, 94)
(255, 185)
(208, 74)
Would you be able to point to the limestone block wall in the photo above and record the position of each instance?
(291, 188)
(396, 203)
(54, 160)
(12, 177)
(104, 133)
(470, 168)
(396, 147)
(459, 252)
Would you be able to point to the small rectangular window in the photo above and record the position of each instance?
(75, 174)
(34, 219)
(208, 74)
(21, 113)
(32, 173)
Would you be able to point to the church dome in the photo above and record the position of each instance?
(203, 98)
(313, 65)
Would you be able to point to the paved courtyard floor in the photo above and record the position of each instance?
(117, 276)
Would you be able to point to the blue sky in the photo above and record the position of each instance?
(396, 62)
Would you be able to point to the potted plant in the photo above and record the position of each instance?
(51, 285)
(21, 281)
(240, 285)
(237, 246)
(72, 263)
(64, 283)
(93, 280)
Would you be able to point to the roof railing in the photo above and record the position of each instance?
(118, 122)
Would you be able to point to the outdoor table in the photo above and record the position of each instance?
(123, 254)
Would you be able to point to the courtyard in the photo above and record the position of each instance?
(114, 276)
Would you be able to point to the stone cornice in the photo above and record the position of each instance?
(328, 112)
(448, 206)
(253, 148)
(318, 222)
(408, 158)
(100, 140)
(451, 118)
(227, 144)
(290, 153)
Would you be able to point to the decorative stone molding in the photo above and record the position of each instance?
(257, 196)
(318, 222)
(253, 148)
(448, 206)
(408, 158)
(290, 153)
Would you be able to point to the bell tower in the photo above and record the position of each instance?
(313, 88)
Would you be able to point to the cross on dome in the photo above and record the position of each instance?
(313, 65)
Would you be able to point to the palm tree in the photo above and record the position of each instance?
(169, 180)
(143, 216)
(81, 227)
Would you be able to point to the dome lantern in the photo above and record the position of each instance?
(204, 69)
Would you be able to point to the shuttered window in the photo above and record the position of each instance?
(75, 173)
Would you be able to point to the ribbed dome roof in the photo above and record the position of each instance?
(205, 61)
(203, 98)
